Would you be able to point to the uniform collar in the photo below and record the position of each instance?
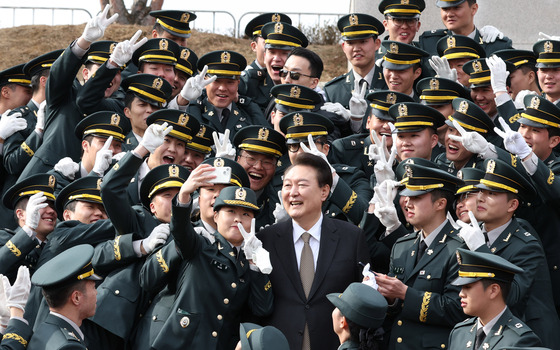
(495, 233)
(488, 327)
(315, 231)
(70, 322)
(432, 235)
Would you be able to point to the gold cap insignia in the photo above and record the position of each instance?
(183, 119)
(298, 119)
(451, 43)
(112, 47)
(240, 194)
(491, 166)
(263, 134)
(460, 174)
(477, 66)
(185, 17)
(202, 131)
(173, 170)
(535, 102)
(391, 98)
(463, 107)
(185, 53)
(226, 56)
(276, 18)
(157, 84)
(99, 181)
(52, 181)
(295, 92)
(405, 2)
(394, 48)
(353, 20)
(115, 119)
(459, 261)
(219, 162)
(403, 110)
(434, 84)
(278, 28)
(408, 171)
(163, 44)
(548, 47)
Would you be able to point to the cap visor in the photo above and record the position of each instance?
(410, 193)
(461, 281)
(393, 66)
(531, 123)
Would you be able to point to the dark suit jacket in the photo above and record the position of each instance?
(55, 333)
(342, 247)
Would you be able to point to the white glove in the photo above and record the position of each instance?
(225, 149)
(371, 281)
(336, 108)
(117, 157)
(385, 208)
(95, 28)
(41, 117)
(489, 34)
(19, 292)
(358, 104)
(252, 247)
(10, 124)
(383, 168)
(103, 158)
(498, 73)
(67, 167)
(377, 148)
(471, 233)
(452, 221)
(154, 136)
(194, 85)
(124, 50)
(513, 141)
(442, 68)
(544, 36)
(4, 309)
(32, 215)
(313, 150)
(379, 62)
(472, 141)
(520, 98)
(279, 212)
(158, 237)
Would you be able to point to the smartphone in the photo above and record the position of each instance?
(223, 175)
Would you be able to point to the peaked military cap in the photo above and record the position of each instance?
(283, 36)
(502, 177)
(539, 113)
(381, 101)
(100, 51)
(15, 75)
(471, 177)
(412, 117)
(148, 88)
(471, 117)
(356, 26)
(459, 46)
(474, 266)
(402, 8)
(40, 63)
(260, 139)
(400, 56)
(161, 178)
(361, 304)
(237, 197)
(422, 179)
(223, 64)
(85, 189)
(449, 3)
(548, 53)
(517, 57)
(202, 141)
(255, 337)
(439, 91)
(400, 171)
(186, 61)
(480, 73)
(184, 125)
(297, 125)
(175, 22)
(157, 50)
(253, 28)
(29, 186)
(292, 97)
(72, 265)
(239, 176)
(103, 124)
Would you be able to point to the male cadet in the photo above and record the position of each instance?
(350, 191)
(548, 68)
(173, 25)
(288, 98)
(15, 88)
(502, 191)
(198, 148)
(62, 114)
(458, 18)
(423, 304)
(485, 280)
(312, 255)
(524, 76)
(458, 50)
(255, 80)
(68, 284)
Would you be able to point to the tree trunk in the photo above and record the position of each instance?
(139, 12)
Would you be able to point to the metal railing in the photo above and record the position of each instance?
(296, 20)
(214, 13)
(39, 8)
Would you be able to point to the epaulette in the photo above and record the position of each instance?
(518, 327)
(340, 77)
(243, 101)
(353, 142)
(70, 335)
(524, 235)
(344, 169)
(434, 32)
(466, 323)
(22, 110)
(407, 237)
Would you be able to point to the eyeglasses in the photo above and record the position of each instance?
(252, 161)
(293, 75)
(294, 147)
(400, 21)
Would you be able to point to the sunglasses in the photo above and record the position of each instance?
(293, 75)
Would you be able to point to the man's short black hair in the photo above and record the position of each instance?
(504, 286)
(471, 2)
(20, 204)
(36, 79)
(448, 196)
(324, 175)
(315, 62)
(57, 296)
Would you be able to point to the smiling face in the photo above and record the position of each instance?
(206, 199)
(222, 92)
(549, 80)
(274, 60)
(494, 208)
(539, 140)
(484, 97)
(381, 128)
(401, 30)
(401, 80)
(86, 212)
(260, 168)
(416, 144)
(361, 53)
(460, 18)
(138, 112)
(464, 203)
(227, 219)
(455, 151)
(172, 151)
(192, 159)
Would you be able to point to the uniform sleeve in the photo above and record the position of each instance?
(261, 298)
(352, 197)
(92, 99)
(379, 245)
(113, 254)
(18, 151)
(17, 335)
(187, 241)
(159, 266)
(14, 251)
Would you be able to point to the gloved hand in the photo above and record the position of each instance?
(385, 208)
(544, 36)
(252, 247)
(471, 233)
(4, 309)
(452, 221)
(313, 150)
(117, 157)
(103, 158)
(95, 28)
(472, 141)
(154, 136)
(379, 62)
(498, 73)
(36, 202)
(358, 104)
(513, 141)
(279, 212)
(377, 148)
(67, 167)
(157, 237)
(489, 34)
(370, 277)
(10, 124)
(383, 168)
(336, 108)
(223, 150)
(442, 68)
(19, 292)
(519, 99)
(124, 50)
(194, 85)
(40, 126)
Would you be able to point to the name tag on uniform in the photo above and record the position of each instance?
(219, 265)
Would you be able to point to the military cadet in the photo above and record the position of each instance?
(15, 88)
(184, 69)
(288, 98)
(548, 68)
(255, 337)
(423, 304)
(255, 81)
(350, 191)
(401, 20)
(173, 25)
(199, 147)
(524, 76)
(485, 280)
(68, 283)
(458, 50)
(358, 307)
(158, 57)
(465, 198)
(13, 327)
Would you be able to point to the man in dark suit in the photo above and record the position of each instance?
(331, 249)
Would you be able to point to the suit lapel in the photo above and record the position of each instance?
(209, 114)
(287, 255)
(434, 249)
(410, 258)
(226, 250)
(496, 333)
(504, 238)
(327, 249)
(233, 117)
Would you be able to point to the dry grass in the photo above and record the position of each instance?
(21, 44)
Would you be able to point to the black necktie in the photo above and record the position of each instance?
(225, 116)
(485, 236)
(480, 336)
(362, 82)
(421, 250)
